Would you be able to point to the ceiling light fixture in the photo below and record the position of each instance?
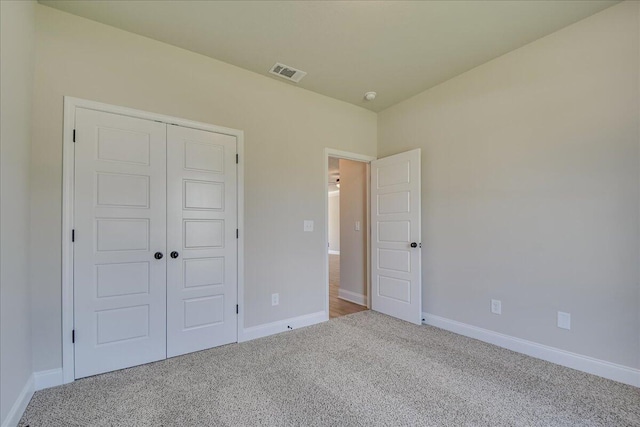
(370, 96)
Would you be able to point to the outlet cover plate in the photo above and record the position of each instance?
(275, 299)
(308, 225)
(564, 320)
(496, 306)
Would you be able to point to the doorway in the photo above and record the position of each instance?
(347, 235)
(393, 231)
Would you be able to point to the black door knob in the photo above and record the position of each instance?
(414, 245)
(158, 255)
(174, 254)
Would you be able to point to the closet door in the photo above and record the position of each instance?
(202, 242)
(120, 238)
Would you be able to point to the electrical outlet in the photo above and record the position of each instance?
(496, 306)
(275, 299)
(308, 225)
(564, 320)
(357, 225)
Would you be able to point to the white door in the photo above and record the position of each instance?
(120, 224)
(202, 240)
(395, 236)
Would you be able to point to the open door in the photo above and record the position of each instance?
(395, 236)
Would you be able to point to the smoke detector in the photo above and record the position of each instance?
(370, 96)
(286, 72)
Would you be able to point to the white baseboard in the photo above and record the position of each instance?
(332, 252)
(47, 379)
(283, 326)
(16, 411)
(352, 297)
(602, 368)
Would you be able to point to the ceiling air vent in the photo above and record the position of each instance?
(287, 72)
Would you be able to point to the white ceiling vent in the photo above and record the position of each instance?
(287, 72)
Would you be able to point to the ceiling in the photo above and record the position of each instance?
(396, 48)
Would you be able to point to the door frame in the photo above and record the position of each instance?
(330, 152)
(68, 186)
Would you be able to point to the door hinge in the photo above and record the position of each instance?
(73, 235)
(237, 309)
(237, 233)
(74, 135)
(73, 336)
(237, 159)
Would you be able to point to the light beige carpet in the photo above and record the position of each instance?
(359, 370)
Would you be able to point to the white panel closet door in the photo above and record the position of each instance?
(395, 236)
(120, 223)
(202, 222)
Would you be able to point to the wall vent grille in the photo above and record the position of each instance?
(286, 72)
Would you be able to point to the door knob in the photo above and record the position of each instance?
(414, 245)
(158, 255)
(174, 254)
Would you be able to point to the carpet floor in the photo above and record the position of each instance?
(362, 369)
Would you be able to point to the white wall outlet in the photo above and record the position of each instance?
(357, 225)
(275, 299)
(308, 225)
(564, 320)
(496, 306)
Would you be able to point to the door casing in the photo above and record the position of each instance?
(68, 153)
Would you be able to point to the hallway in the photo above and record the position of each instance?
(337, 306)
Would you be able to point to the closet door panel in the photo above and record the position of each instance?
(120, 223)
(202, 222)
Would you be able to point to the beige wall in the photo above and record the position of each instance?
(286, 132)
(17, 33)
(531, 188)
(353, 244)
(334, 221)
